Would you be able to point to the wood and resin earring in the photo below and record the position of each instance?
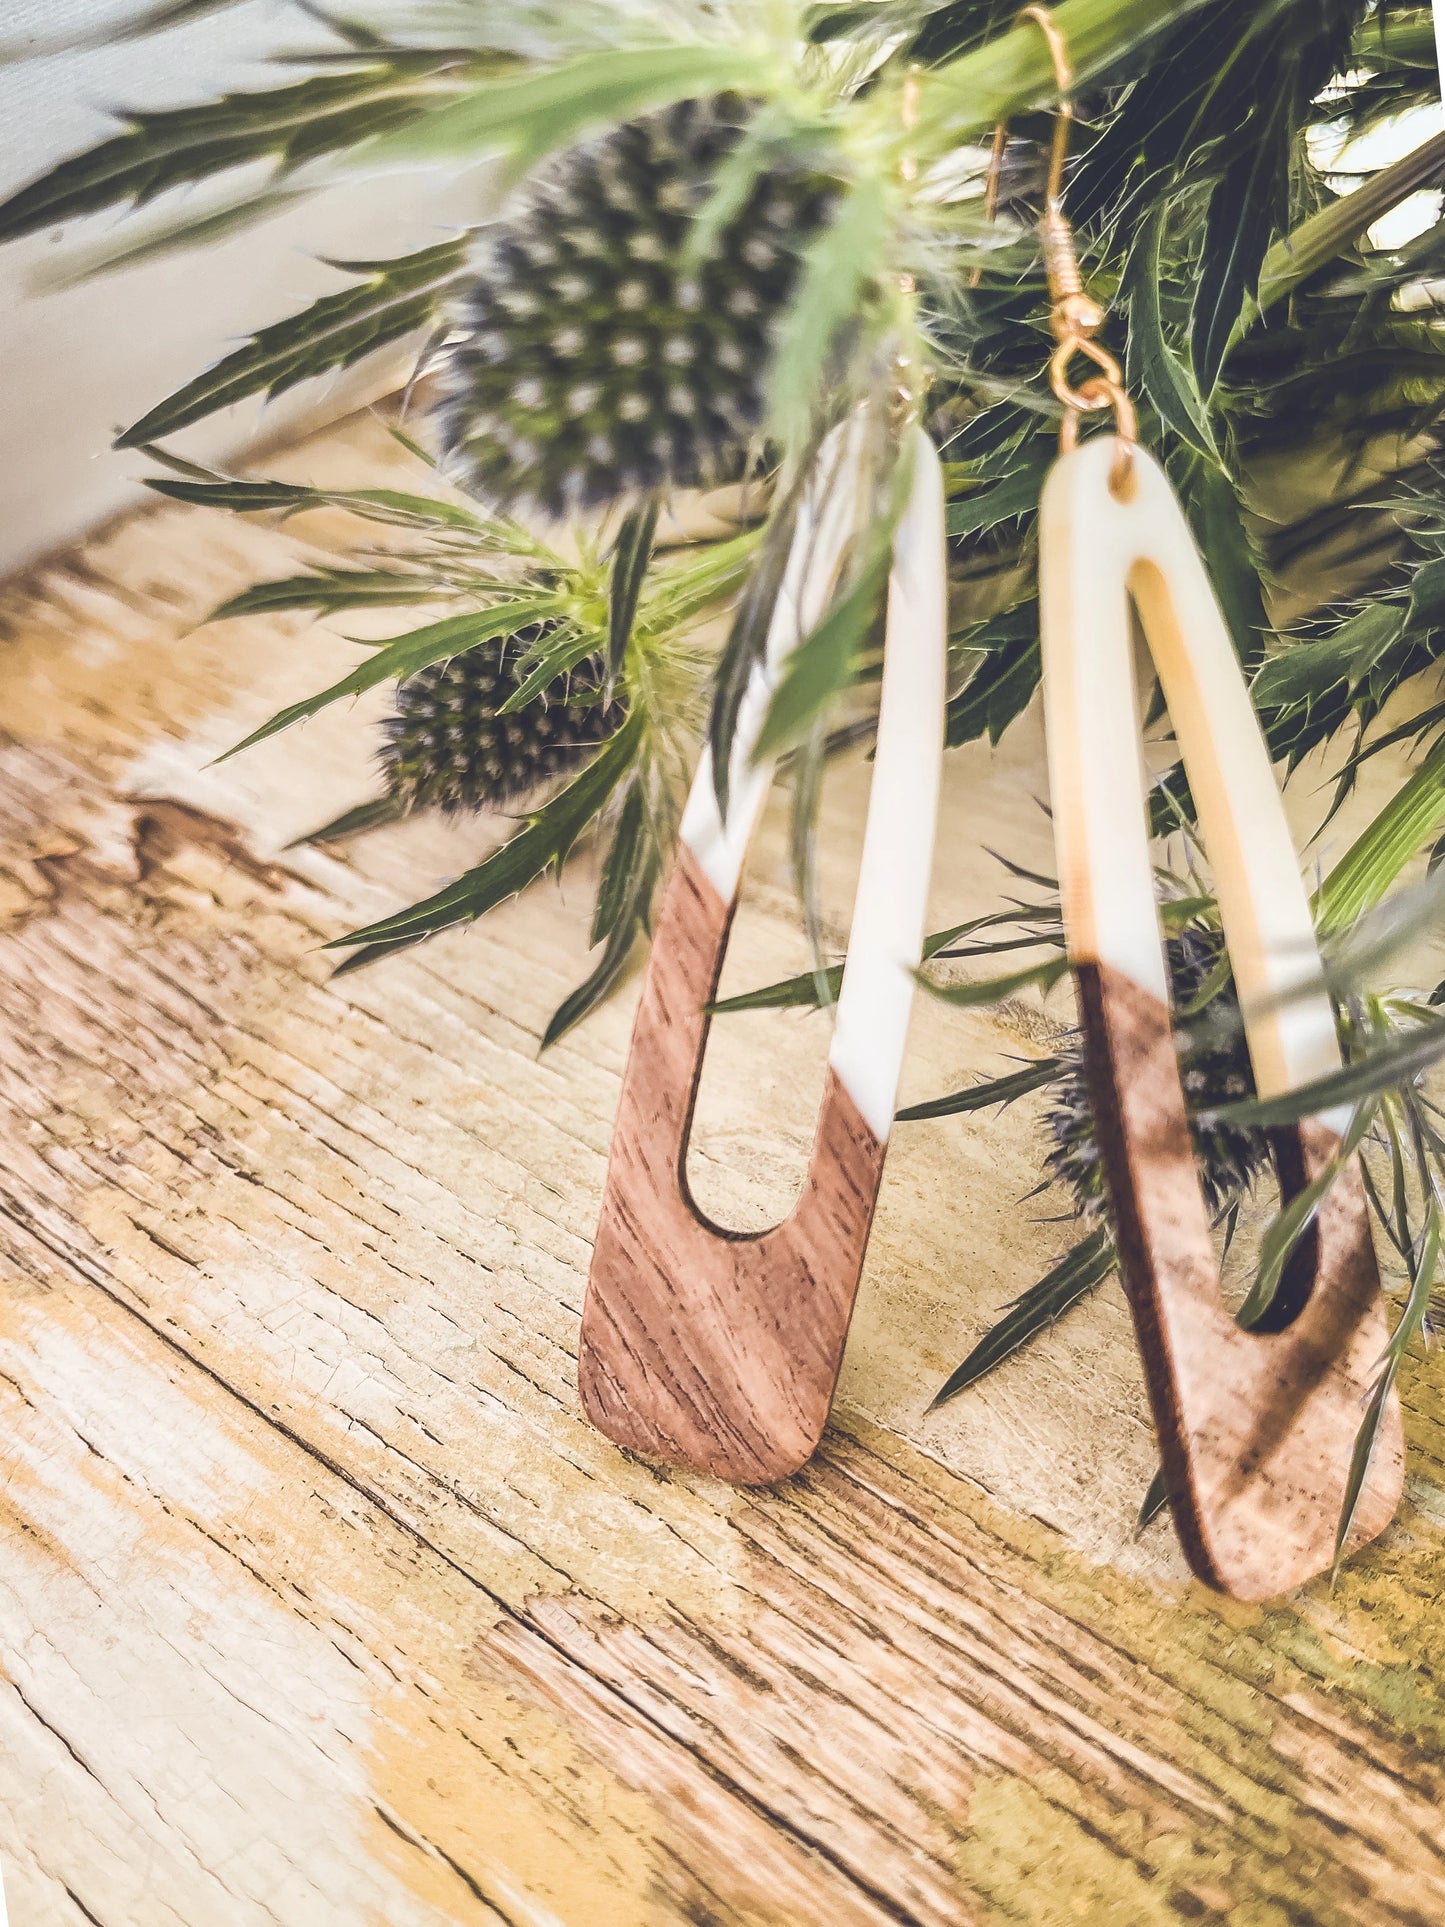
(717, 1349)
(1256, 1427)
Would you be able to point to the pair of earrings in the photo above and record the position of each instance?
(721, 1351)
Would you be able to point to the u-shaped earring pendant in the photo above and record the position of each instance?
(1256, 1428)
(710, 1348)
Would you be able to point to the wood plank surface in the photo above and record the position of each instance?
(319, 1599)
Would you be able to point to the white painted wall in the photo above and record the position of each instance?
(76, 365)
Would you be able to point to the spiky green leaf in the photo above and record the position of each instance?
(405, 655)
(839, 267)
(328, 590)
(529, 115)
(1070, 1281)
(285, 125)
(549, 835)
(372, 815)
(631, 558)
(980, 1097)
(1153, 363)
(1422, 1283)
(824, 663)
(993, 990)
(393, 299)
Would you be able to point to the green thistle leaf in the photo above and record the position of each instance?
(395, 298)
(1011, 500)
(1306, 672)
(545, 842)
(1159, 371)
(993, 990)
(1412, 1319)
(839, 267)
(1218, 520)
(1244, 212)
(1400, 831)
(392, 506)
(532, 114)
(980, 1097)
(1074, 1277)
(405, 655)
(1404, 1057)
(1294, 1219)
(747, 641)
(824, 663)
(372, 815)
(163, 238)
(624, 903)
(807, 992)
(631, 558)
(287, 125)
(1330, 232)
(1153, 1502)
(328, 590)
(1002, 685)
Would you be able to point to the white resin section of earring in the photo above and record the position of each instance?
(886, 942)
(824, 528)
(1097, 553)
(885, 945)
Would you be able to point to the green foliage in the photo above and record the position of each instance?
(288, 126)
(325, 591)
(544, 844)
(393, 299)
(405, 655)
(631, 556)
(397, 508)
(1073, 1279)
(1424, 1272)
(842, 268)
(981, 1096)
(1004, 654)
(531, 115)
(825, 662)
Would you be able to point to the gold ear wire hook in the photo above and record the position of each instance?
(1075, 315)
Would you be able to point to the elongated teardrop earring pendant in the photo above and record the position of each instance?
(1256, 1428)
(710, 1348)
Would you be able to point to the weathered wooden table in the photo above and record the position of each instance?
(320, 1603)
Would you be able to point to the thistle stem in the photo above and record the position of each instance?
(1015, 71)
(1325, 235)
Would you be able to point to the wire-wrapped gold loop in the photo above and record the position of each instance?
(1092, 397)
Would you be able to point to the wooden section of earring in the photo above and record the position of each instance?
(1256, 1428)
(711, 1348)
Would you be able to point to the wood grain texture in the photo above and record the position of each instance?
(321, 1603)
(713, 1349)
(1256, 1428)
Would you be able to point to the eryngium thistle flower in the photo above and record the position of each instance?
(598, 361)
(445, 744)
(1214, 1068)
